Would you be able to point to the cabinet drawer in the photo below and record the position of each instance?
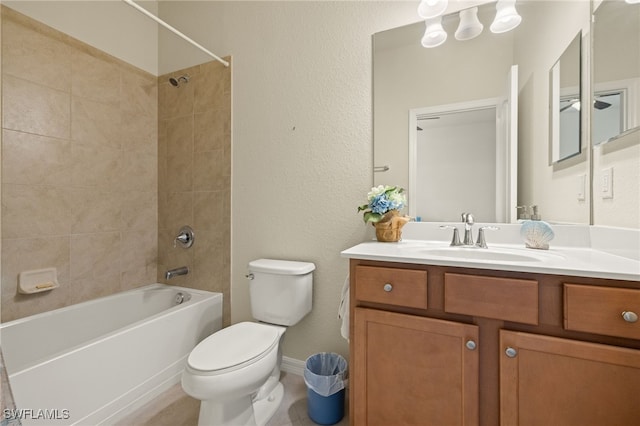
(599, 310)
(507, 299)
(391, 286)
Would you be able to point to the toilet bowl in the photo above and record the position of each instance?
(229, 372)
(235, 372)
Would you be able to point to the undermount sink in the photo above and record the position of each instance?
(498, 255)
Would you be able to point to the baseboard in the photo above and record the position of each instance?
(292, 365)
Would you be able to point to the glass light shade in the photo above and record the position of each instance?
(434, 35)
(507, 17)
(469, 27)
(432, 8)
(632, 1)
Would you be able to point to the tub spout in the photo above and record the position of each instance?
(183, 270)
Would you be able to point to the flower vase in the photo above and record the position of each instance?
(389, 228)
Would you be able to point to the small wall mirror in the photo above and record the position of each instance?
(565, 101)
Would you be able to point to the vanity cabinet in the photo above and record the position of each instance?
(439, 345)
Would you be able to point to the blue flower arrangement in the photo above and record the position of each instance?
(381, 200)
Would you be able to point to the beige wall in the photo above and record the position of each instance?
(194, 166)
(79, 164)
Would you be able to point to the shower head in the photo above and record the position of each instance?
(175, 82)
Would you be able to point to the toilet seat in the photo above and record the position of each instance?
(233, 347)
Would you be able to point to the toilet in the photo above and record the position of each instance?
(235, 372)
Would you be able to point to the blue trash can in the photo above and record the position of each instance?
(325, 374)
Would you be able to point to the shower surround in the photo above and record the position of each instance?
(102, 164)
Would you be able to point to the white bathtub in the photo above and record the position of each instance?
(95, 362)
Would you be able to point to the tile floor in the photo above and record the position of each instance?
(175, 408)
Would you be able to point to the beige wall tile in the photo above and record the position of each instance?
(139, 172)
(209, 210)
(208, 171)
(93, 255)
(35, 160)
(94, 78)
(179, 172)
(175, 101)
(176, 210)
(139, 95)
(91, 288)
(139, 210)
(94, 211)
(179, 136)
(34, 211)
(211, 87)
(139, 133)
(32, 56)
(33, 108)
(95, 123)
(98, 166)
(211, 130)
(139, 252)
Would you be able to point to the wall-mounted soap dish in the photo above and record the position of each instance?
(37, 280)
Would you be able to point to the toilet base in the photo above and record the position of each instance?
(243, 411)
(265, 408)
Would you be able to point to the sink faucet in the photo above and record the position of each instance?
(183, 270)
(467, 219)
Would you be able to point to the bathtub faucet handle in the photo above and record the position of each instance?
(185, 237)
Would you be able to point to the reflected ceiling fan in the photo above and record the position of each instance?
(575, 103)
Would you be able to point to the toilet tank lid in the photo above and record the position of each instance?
(281, 267)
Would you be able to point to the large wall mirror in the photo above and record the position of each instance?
(615, 131)
(408, 77)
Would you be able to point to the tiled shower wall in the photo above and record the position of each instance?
(79, 168)
(194, 169)
(81, 165)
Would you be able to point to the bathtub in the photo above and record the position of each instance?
(95, 362)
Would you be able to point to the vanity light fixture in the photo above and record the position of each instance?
(469, 27)
(434, 34)
(632, 1)
(432, 8)
(507, 17)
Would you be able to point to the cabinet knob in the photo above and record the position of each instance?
(387, 287)
(629, 316)
(471, 345)
(511, 352)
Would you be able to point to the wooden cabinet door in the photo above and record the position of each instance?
(551, 381)
(410, 370)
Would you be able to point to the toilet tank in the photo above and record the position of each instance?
(280, 290)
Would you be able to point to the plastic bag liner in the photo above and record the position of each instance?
(325, 373)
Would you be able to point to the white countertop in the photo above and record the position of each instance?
(577, 261)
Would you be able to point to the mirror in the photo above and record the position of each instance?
(565, 102)
(407, 76)
(615, 127)
(616, 70)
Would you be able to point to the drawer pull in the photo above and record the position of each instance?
(387, 287)
(629, 316)
(511, 353)
(471, 345)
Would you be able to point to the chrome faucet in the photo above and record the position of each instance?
(183, 270)
(467, 219)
